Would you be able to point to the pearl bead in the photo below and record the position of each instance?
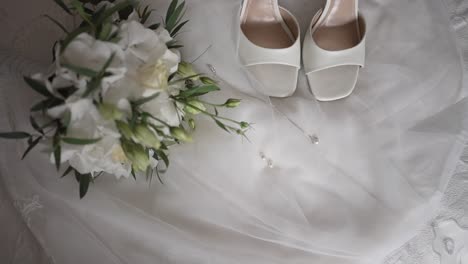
(314, 139)
(212, 68)
(270, 164)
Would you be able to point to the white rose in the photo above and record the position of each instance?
(163, 108)
(87, 52)
(86, 122)
(163, 34)
(144, 46)
(106, 155)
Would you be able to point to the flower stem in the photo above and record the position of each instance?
(208, 113)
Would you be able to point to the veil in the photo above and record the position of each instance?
(337, 182)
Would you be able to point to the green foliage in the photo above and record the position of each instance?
(37, 86)
(31, 145)
(80, 141)
(198, 91)
(15, 135)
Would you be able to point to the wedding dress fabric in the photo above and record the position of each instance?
(383, 159)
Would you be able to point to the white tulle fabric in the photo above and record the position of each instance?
(384, 157)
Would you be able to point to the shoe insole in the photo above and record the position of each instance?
(263, 25)
(340, 28)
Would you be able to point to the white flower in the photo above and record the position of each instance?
(107, 155)
(163, 108)
(86, 123)
(145, 46)
(154, 76)
(164, 35)
(87, 52)
(149, 64)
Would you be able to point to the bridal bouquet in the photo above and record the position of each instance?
(119, 95)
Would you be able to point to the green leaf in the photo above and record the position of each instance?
(96, 82)
(221, 125)
(159, 176)
(85, 179)
(80, 70)
(144, 10)
(125, 13)
(97, 13)
(37, 86)
(174, 46)
(35, 125)
(106, 65)
(66, 91)
(154, 26)
(172, 22)
(31, 146)
(92, 85)
(97, 176)
(114, 38)
(80, 141)
(53, 50)
(163, 156)
(57, 150)
(63, 6)
(194, 76)
(14, 135)
(57, 23)
(146, 15)
(46, 104)
(171, 9)
(106, 30)
(145, 99)
(77, 176)
(78, 6)
(110, 11)
(69, 169)
(199, 90)
(66, 119)
(178, 28)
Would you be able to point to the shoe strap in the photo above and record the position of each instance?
(316, 58)
(252, 54)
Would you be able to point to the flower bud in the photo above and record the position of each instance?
(186, 70)
(194, 107)
(110, 112)
(180, 134)
(191, 123)
(244, 125)
(124, 129)
(137, 155)
(232, 103)
(207, 80)
(145, 136)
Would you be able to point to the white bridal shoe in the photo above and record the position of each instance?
(269, 46)
(334, 50)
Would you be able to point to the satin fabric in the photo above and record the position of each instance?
(384, 155)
